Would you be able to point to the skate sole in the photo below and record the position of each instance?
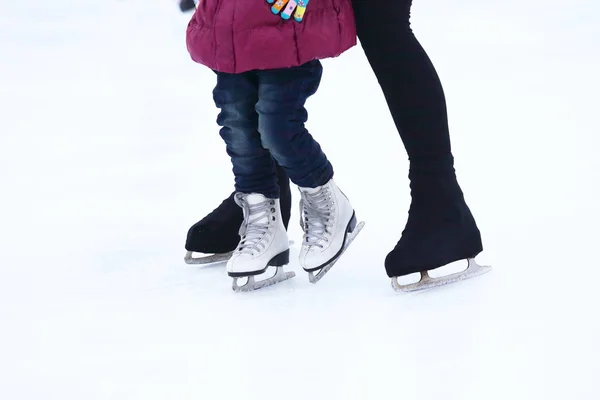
(427, 282)
(314, 278)
(210, 259)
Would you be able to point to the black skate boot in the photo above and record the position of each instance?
(440, 228)
(186, 5)
(217, 233)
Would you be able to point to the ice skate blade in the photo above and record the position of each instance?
(210, 259)
(427, 282)
(312, 278)
(252, 284)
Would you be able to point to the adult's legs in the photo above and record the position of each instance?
(440, 227)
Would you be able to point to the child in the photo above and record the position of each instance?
(266, 69)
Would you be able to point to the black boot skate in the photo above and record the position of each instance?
(440, 229)
(217, 234)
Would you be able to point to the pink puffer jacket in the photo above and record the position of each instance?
(235, 36)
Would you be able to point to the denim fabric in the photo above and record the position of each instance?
(262, 118)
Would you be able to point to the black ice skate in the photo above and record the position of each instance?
(216, 236)
(440, 229)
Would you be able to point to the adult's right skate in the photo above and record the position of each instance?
(440, 229)
(216, 235)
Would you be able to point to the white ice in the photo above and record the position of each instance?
(109, 150)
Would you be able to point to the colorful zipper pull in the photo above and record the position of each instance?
(287, 13)
(300, 10)
(278, 6)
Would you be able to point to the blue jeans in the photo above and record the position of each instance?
(262, 118)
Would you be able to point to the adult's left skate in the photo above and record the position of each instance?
(216, 235)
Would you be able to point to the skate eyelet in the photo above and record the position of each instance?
(273, 210)
(273, 218)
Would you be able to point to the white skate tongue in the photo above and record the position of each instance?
(254, 199)
(311, 190)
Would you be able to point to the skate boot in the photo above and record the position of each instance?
(329, 225)
(263, 243)
(440, 229)
(216, 235)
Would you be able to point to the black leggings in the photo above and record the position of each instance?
(407, 77)
(440, 227)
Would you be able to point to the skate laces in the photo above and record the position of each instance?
(316, 213)
(252, 231)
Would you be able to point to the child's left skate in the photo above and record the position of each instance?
(329, 224)
(263, 243)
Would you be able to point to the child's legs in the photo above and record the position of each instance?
(236, 95)
(282, 94)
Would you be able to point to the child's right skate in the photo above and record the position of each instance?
(263, 243)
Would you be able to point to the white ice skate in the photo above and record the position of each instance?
(263, 243)
(329, 225)
(428, 282)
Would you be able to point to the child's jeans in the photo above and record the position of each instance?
(262, 118)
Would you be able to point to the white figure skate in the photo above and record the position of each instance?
(263, 243)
